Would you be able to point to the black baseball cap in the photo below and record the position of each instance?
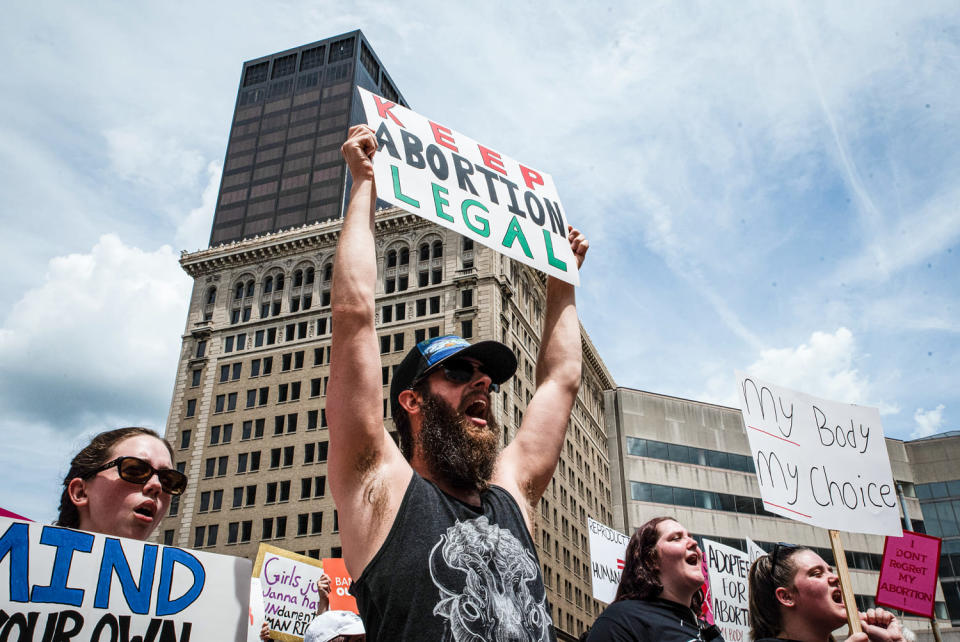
(498, 360)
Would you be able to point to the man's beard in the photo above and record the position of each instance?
(451, 446)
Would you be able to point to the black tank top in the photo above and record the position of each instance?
(454, 572)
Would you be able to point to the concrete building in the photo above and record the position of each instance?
(937, 487)
(248, 419)
(691, 460)
(283, 166)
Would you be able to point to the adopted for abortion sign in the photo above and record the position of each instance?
(820, 462)
(728, 569)
(289, 584)
(62, 584)
(454, 181)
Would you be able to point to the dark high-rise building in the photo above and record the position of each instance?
(283, 166)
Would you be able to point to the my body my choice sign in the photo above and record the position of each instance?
(819, 462)
(454, 181)
(64, 585)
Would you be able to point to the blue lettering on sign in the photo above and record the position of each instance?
(66, 541)
(114, 559)
(171, 556)
(16, 543)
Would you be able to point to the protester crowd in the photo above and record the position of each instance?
(437, 532)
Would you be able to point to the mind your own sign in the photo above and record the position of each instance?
(449, 179)
(821, 462)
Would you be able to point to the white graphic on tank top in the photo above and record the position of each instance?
(488, 585)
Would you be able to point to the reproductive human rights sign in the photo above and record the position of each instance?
(454, 181)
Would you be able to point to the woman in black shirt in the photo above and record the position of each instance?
(659, 594)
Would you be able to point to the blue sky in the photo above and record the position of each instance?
(767, 186)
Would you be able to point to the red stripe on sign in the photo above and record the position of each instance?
(787, 509)
(773, 435)
(620, 565)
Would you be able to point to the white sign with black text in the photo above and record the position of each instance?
(608, 549)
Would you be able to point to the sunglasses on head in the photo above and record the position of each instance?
(458, 371)
(781, 551)
(138, 471)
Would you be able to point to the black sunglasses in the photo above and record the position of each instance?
(138, 471)
(458, 371)
(780, 552)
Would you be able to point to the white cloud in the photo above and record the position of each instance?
(141, 153)
(97, 341)
(193, 232)
(928, 422)
(824, 366)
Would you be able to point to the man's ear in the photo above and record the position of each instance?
(784, 596)
(77, 491)
(410, 401)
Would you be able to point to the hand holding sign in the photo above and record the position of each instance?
(358, 151)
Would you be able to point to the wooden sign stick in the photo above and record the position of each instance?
(849, 601)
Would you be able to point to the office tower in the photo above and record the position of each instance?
(283, 167)
(248, 416)
(692, 460)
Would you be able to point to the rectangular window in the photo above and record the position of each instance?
(401, 309)
(241, 341)
(302, 333)
(322, 451)
(419, 335)
(312, 419)
(271, 339)
(217, 500)
(196, 378)
(295, 391)
(246, 431)
(302, 522)
(466, 329)
(308, 453)
(224, 373)
(233, 529)
(285, 361)
(246, 529)
(274, 458)
(258, 339)
(289, 331)
(198, 536)
(219, 404)
(251, 398)
(315, 387)
(321, 326)
(292, 422)
(267, 531)
(298, 359)
(285, 490)
(288, 456)
(222, 466)
(423, 279)
(255, 461)
(271, 493)
(201, 348)
(434, 305)
(267, 365)
(231, 401)
(204, 501)
(241, 463)
(228, 344)
(237, 369)
(258, 428)
(386, 315)
(466, 299)
(305, 485)
(174, 505)
(278, 422)
(385, 344)
(281, 526)
(185, 439)
(319, 486)
(264, 396)
(210, 467)
(421, 305)
(214, 435)
(316, 523)
(436, 275)
(255, 368)
(238, 497)
(251, 495)
(227, 433)
(282, 391)
(398, 342)
(433, 331)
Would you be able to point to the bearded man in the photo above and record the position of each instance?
(436, 533)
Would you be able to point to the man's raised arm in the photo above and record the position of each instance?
(527, 464)
(359, 445)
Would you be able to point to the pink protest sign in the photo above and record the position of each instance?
(908, 576)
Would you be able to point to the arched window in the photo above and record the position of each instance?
(404, 256)
(298, 278)
(392, 258)
(309, 276)
(437, 249)
(327, 272)
(279, 282)
(238, 292)
(211, 296)
(424, 251)
(250, 287)
(268, 285)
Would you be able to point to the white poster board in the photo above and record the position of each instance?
(452, 180)
(728, 569)
(754, 550)
(256, 610)
(820, 462)
(58, 583)
(289, 591)
(608, 549)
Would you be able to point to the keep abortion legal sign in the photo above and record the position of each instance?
(820, 462)
(63, 584)
(608, 550)
(452, 180)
